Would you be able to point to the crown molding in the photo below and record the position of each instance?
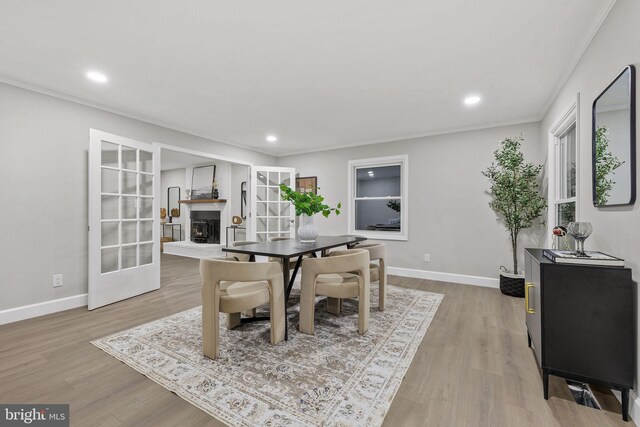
(582, 49)
(415, 136)
(55, 94)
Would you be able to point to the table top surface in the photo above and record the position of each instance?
(293, 247)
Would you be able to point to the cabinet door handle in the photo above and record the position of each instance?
(528, 286)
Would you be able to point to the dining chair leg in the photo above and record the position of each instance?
(250, 313)
(334, 305)
(382, 290)
(278, 314)
(307, 308)
(363, 306)
(233, 320)
(210, 322)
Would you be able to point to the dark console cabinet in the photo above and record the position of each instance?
(580, 322)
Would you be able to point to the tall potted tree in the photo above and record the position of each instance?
(307, 205)
(517, 201)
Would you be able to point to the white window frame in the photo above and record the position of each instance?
(556, 133)
(403, 162)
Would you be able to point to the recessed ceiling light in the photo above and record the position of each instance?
(472, 100)
(97, 77)
(272, 138)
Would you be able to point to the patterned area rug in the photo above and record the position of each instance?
(334, 378)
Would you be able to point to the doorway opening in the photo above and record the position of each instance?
(201, 199)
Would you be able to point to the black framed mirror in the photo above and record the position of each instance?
(614, 142)
(173, 202)
(243, 199)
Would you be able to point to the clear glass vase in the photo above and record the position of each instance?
(580, 231)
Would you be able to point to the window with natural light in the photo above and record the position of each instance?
(565, 203)
(378, 197)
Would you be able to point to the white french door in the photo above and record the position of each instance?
(124, 223)
(269, 215)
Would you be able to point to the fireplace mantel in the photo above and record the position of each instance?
(204, 201)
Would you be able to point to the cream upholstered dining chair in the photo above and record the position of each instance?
(278, 260)
(277, 239)
(344, 275)
(242, 257)
(378, 272)
(230, 286)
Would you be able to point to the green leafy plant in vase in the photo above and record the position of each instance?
(307, 205)
(516, 199)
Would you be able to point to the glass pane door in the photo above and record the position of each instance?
(273, 216)
(123, 253)
(126, 235)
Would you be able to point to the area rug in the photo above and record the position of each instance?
(333, 378)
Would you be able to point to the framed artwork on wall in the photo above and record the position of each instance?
(202, 182)
(307, 184)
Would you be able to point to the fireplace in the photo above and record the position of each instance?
(205, 226)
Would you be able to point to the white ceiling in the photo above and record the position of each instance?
(317, 74)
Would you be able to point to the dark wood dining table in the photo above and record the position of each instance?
(290, 249)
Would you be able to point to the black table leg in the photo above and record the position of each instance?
(285, 282)
(293, 276)
(252, 258)
(625, 404)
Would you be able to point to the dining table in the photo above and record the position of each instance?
(292, 250)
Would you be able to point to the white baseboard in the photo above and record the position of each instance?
(445, 277)
(40, 309)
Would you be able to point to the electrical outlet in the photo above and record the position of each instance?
(427, 257)
(58, 280)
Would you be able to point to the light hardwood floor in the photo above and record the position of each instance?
(473, 367)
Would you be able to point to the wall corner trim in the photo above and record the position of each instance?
(634, 408)
(40, 309)
(444, 277)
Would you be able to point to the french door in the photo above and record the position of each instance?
(270, 216)
(124, 223)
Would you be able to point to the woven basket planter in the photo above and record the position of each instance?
(512, 284)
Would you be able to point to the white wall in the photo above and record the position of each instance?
(616, 230)
(449, 216)
(43, 188)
